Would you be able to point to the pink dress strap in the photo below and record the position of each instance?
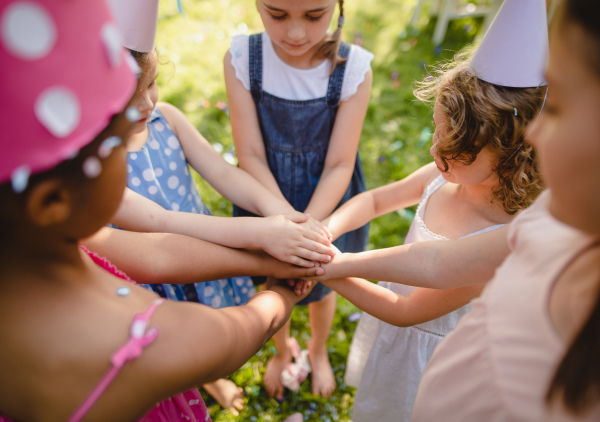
(139, 338)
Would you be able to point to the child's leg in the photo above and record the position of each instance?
(227, 394)
(321, 315)
(277, 363)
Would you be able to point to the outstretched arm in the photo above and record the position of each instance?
(175, 259)
(420, 306)
(438, 265)
(379, 201)
(230, 181)
(291, 238)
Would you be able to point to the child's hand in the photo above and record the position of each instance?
(295, 238)
(300, 288)
(329, 269)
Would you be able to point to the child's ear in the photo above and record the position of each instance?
(48, 203)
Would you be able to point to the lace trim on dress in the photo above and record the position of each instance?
(240, 58)
(432, 187)
(359, 63)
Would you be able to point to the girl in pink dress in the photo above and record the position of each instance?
(79, 340)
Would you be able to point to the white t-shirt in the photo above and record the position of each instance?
(290, 83)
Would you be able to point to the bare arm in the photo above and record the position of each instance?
(379, 201)
(438, 265)
(230, 181)
(247, 136)
(175, 259)
(420, 306)
(280, 236)
(341, 154)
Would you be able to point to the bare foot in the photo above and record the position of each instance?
(227, 394)
(323, 380)
(296, 417)
(272, 377)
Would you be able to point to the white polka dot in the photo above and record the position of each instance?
(190, 197)
(173, 142)
(244, 290)
(158, 171)
(92, 167)
(216, 302)
(136, 181)
(108, 145)
(237, 300)
(251, 292)
(186, 171)
(209, 291)
(230, 291)
(129, 168)
(223, 283)
(168, 152)
(173, 165)
(159, 126)
(181, 190)
(152, 190)
(154, 144)
(111, 37)
(133, 65)
(239, 281)
(249, 284)
(181, 155)
(133, 156)
(173, 182)
(20, 178)
(193, 402)
(175, 206)
(57, 108)
(28, 30)
(148, 175)
(132, 114)
(194, 210)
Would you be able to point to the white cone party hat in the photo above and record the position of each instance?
(137, 21)
(514, 50)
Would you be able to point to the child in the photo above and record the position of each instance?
(528, 350)
(160, 147)
(70, 349)
(483, 173)
(298, 98)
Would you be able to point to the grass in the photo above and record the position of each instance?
(394, 143)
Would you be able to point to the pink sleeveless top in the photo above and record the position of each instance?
(187, 406)
(497, 364)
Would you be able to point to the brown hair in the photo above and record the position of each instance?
(483, 114)
(330, 47)
(577, 379)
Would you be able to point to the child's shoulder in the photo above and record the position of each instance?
(171, 113)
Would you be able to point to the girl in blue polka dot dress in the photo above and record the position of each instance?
(162, 142)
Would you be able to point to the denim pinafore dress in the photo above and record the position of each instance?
(296, 136)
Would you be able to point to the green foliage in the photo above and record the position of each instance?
(394, 143)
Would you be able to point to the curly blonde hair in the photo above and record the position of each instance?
(482, 114)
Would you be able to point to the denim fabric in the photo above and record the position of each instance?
(296, 136)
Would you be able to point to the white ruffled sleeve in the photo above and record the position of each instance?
(240, 59)
(359, 63)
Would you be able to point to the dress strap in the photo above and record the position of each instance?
(139, 338)
(255, 64)
(334, 88)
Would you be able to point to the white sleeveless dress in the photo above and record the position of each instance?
(386, 362)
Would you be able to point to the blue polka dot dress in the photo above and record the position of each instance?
(159, 171)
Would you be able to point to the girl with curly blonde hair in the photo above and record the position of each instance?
(483, 172)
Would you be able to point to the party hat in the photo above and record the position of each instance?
(137, 21)
(514, 50)
(64, 75)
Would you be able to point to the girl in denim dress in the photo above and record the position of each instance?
(298, 97)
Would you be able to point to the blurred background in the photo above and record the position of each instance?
(408, 38)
